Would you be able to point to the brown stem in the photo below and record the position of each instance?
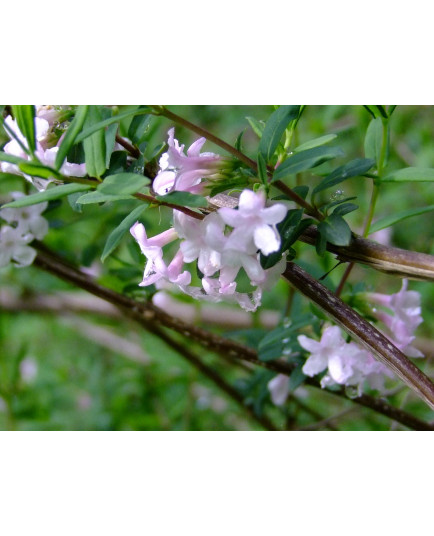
(210, 137)
(362, 331)
(394, 261)
(144, 313)
(240, 156)
(344, 279)
(132, 149)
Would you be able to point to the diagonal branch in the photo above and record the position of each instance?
(146, 313)
(366, 334)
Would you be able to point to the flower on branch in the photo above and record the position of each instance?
(184, 172)
(26, 224)
(44, 154)
(222, 244)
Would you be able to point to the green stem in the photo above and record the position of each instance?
(374, 198)
(376, 185)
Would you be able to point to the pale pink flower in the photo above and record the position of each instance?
(184, 172)
(401, 317)
(279, 389)
(156, 268)
(14, 247)
(27, 219)
(322, 351)
(196, 243)
(252, 221)
(346, 363)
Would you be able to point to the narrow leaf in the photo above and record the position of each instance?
(305, 160)
(38, 170)
(53, 193)
(335, 230)
(317, 142)
(88, 131)
(262, 170)
(257, 126)
(274, 129)
(25, 117)
(354, 168)
(123, 183)
(71, 134)
(185, 199)
(4, 157)
(116, 235)
(373, 139)
(399, 216)
(138, 129)
(345, 208)
(410, 174)
(98, 197)
(94, 145)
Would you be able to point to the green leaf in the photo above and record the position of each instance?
(185, 199)
(139, 126)
(71, 134)
(25, 117)
(297, 378)
(39, 170)
(289, 230)
(98, 197)
(354, 168)
(373, 139)
(116, 235)
(271, 346)
(262, 170)
(305, 160)
(410, 174)
(317, 142)
(274, 129)
(257, 126)
(110, 140)
(345, 208)
(4, 157)
(123, 183)
(238, 141)
(94, 145)
(377, 111)
(91, 129)
(53, 193)
(335, 230)
(399, 216)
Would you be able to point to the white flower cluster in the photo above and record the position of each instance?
(25, 224)
(44, 121)
(222, 243)
(347, 363)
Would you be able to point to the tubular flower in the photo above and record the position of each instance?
(252, 221)
(184, 172)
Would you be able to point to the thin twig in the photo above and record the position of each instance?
(146, 313)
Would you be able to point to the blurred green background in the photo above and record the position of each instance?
(63, 369)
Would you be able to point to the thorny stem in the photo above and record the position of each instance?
(146, 314)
